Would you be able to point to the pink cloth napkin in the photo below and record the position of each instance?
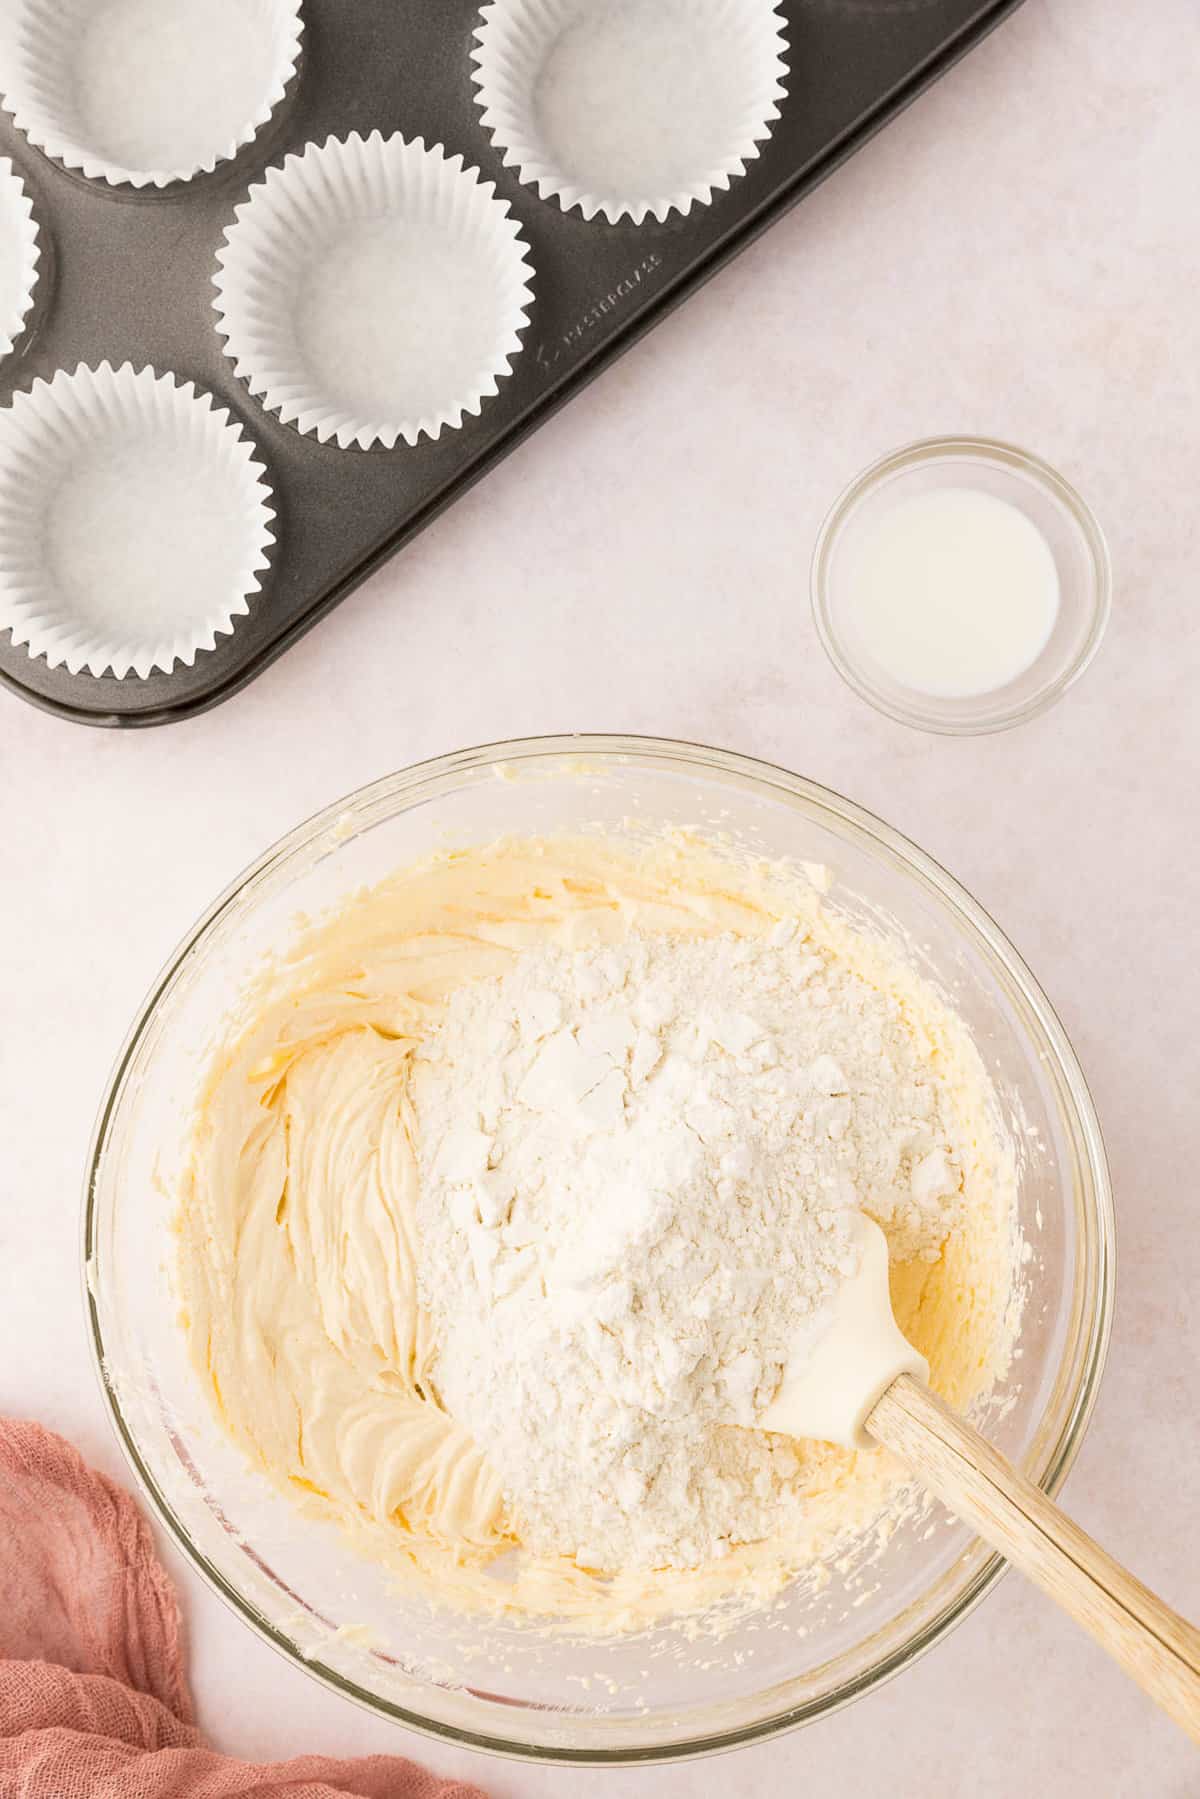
(94, 1702)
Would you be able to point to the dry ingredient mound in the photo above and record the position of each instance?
(636, 1165)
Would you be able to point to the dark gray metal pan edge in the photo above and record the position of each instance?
(743, 232)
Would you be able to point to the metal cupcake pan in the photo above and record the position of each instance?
(131, 279)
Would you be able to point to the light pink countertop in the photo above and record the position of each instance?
(1018, 256)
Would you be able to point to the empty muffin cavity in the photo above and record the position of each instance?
(373, 290)
(20, 253)
(630, 108)
(148, 92)
(134, 521)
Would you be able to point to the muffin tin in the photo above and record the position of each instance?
(128, 277)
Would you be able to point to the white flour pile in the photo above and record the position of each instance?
(635, 1166)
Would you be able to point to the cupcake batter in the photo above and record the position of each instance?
(308, 1243)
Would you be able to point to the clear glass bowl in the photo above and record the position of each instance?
(498, 1686)
(1069, 527)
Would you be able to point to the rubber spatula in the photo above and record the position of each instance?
(864, 1383)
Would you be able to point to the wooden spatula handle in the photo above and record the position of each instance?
(1156, 1647)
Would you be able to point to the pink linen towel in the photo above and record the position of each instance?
(94, 1702)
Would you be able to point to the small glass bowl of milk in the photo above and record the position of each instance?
(961, 585)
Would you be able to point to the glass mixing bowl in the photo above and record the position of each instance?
(500, 1686)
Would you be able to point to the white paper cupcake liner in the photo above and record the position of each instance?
(373, 290)
(134, 521)
(147, 92)
(629, 108)
(19, 255)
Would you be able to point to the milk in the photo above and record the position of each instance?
(952, 593)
